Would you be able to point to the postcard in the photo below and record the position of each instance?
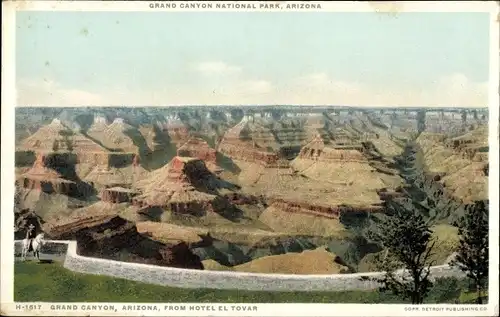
(199, 158)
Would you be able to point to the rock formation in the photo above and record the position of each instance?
(242, 199)
(117, 195)
(177, 130)
(98, 126)
(184, 185)
(316, 150)
(115, 238)
(56, 137)
(103, 176)
(319, 209)
(249, 142)
(291, 136)
(70, 163)
(114, 136)
(460, 162)
(44, 178)
(198, 148)
(244, 153)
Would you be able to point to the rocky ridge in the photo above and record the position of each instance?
(113, 237)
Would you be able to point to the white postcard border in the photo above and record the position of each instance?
(9, 101)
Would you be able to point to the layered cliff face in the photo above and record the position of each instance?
(365, 127)
(54, 173)
(115, 136)
(70, 163)
(56, 137)
(346, 169)
(459, 164)
(117, 195)
(213, 123)
(290, 135)
(322, 186)
(161, 148)
(454, 122)
(318, 125)
(105, 176)
(41, 176)
(176, 129)
(249, 141)
(198, 148)
(184, 185)
(325, 180)
(253, 140)
(115, 238)
(318, 209)
(99, 125)
(316, 150)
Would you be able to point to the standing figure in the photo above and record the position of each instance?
(28, 241)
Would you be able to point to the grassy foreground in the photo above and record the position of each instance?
(51, 282)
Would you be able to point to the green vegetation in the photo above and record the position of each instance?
(51, 282)
(446, 237)
(472, 257)
(408, 241)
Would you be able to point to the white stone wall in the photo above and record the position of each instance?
(188, 278)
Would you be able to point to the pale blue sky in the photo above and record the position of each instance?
(157, 55)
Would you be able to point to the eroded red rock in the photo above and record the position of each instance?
(118, 195)
(317, 150)
(321, 210)
(198, 148)
(184, 185)
(112, 237)
(42, 175)
(246, 142)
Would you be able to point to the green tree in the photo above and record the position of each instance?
(406, 238)
(472, 254)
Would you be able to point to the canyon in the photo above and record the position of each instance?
(251, 183)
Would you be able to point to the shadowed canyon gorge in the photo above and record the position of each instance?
(251, 189)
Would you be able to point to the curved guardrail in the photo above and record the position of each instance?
(191, 278)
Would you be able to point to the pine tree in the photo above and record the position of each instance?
(472, 254)
(406, 237)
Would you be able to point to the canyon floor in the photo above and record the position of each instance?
(264, 190)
